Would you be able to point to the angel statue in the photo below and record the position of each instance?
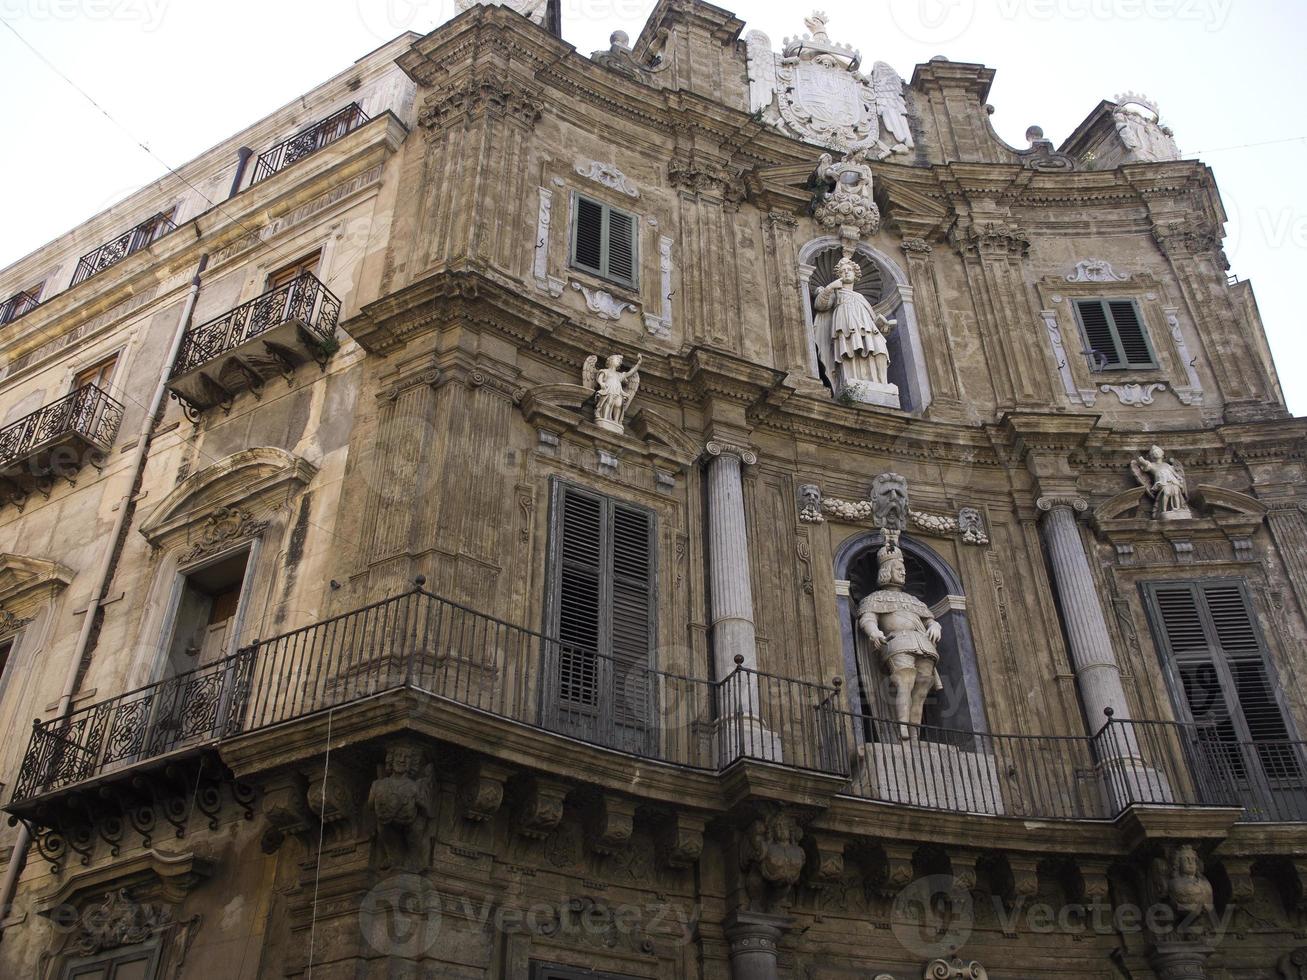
(856, 330)
(904, 633)
(1165, 481)
(616, 389)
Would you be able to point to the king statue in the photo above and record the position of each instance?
(904, 633)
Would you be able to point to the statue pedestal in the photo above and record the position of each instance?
(871, 393)
(929, 774)
(614, 427)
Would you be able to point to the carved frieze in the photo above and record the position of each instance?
(1134, 395)
(223, 527)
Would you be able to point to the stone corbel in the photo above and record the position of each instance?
(825, 866)
(680, 839)
(611, 822)
(481, 791)
(1240, 873)
(1023, 881)
(1092, 880)
(896, 870)
(285, 809)
(541, 808)
(334, 798)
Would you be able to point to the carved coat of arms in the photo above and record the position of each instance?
(814, 90)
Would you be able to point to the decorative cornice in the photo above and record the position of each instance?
(496, 96)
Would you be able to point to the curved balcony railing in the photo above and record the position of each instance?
(17, 305)
(309, 141)
(111, 253)
(304, 301)
(87, 416)
(463, 658)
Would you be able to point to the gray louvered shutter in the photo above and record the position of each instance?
(632, 615)
(621, 247)
(1130, 333)
(588, 236)
(580, 598)
(605, 241)
(1098, 332)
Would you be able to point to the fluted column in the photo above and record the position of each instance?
(1098, 676)
(729, 577)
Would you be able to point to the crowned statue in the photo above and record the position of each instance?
(858, 337)
(903, 632)
(614, 389)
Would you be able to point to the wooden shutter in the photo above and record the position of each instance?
(580, 597)
(588, 236)
(1207, 631)
(1098, 332)
(604, 597)
(605, 241)
(1130, 333)
(1113, 329)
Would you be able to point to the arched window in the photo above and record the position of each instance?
(959, 706)
(885, 285)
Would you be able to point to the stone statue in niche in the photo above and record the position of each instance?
(889, 502)
(904, 634)
(858, 338)
(1165, 481)
(401, 802)
(615, 389)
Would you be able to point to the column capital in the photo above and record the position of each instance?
(744, 454)
(1073, 501)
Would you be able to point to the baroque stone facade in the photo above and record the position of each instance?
(655, 515)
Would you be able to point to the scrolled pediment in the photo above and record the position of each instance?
(25, 583)
(248, 480)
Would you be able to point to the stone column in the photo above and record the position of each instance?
(754, 938)
(730, 581)
(1098, 676)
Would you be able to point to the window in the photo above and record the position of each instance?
(6, 648)
(1114, 334)
(1218, 664)
(22, 302)
(288, 274)
(135, 963)
(99, 374)
(205, 624)
(602, 604)
(604, 241)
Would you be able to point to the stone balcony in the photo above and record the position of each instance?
(56, 442)
(268, 336)
(419, 662)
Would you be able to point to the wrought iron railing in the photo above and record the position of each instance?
(17, 305)
(87, 412)
(309, 141)
(111, 253)
(470, 661)
(305, 301)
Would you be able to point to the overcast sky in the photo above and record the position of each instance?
(180, 75)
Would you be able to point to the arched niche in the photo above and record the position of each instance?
(895, 301)
(960, 706)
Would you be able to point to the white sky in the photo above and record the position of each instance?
(180, 75)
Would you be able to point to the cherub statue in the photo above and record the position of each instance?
(903, 632)
(616, 389)
(856, 330)
(1165, 481)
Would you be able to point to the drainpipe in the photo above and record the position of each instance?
(242, 161)
(108, 565)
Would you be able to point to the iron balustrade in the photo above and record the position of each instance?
(470, 661)
(304, 300)
(309, 141)
(128, 243)
(17, 305)
(88, 412)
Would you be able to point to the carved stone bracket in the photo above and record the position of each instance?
(481, 791)
(541, 808)
(680, 839)
(825, 867)
(603, 304)
(612, 820)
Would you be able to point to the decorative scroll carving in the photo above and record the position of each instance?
(1134, 395)
(1077, 395)
(9, 623)
(660, 325)
(608, 175)
(119, 921)
(955, 969)
(540, 270)
(221, 528)
(744, 454)
(603, 304)
(1095, 270)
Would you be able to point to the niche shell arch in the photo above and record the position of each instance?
(907, 359)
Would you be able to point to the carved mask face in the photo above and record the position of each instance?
(811, 498)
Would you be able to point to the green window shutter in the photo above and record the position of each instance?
(1113, 329)
(605, 241)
